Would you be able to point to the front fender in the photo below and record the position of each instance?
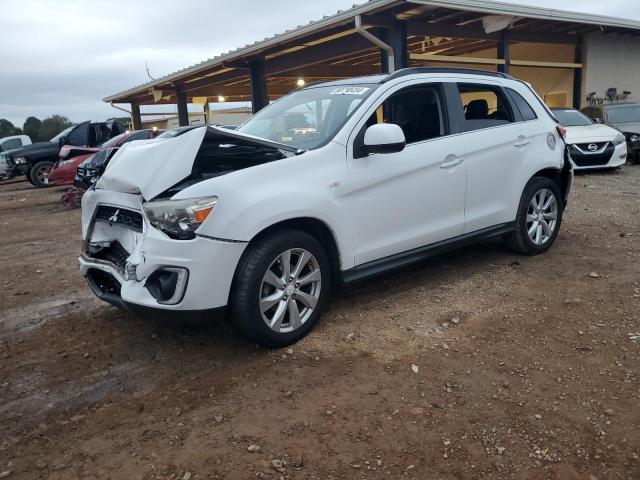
(249, 220)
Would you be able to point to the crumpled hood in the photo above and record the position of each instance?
(150, 167)
(591, 133)
(633, 127)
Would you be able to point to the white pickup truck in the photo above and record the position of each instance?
(9, 143)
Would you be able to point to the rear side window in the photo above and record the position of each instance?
(525, 109)
(485, 106)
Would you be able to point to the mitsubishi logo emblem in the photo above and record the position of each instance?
(592, 147)
(114, 218)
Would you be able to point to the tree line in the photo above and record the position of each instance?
(38, 130)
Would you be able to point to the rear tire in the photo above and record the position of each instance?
(39, 172)
(538, 219)
(273, 304)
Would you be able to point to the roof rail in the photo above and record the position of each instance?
(472, 71)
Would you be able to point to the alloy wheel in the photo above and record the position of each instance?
(290, 290)
(42, 174)
(542, 216)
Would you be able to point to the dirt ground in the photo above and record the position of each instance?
(477, 364)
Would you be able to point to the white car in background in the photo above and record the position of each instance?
(3, 165)
(9, 143)
(593, 145)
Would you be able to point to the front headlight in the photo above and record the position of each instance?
(620, 139)
(633, 137)
(62, 163)
(20, 160)
(179, 219)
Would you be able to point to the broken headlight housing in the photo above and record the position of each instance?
(179, 219)
(20, 160)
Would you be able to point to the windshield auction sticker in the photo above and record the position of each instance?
(349, 90)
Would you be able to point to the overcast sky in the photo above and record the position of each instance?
(64, 56)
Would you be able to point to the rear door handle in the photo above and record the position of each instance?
(521, 142)
(451, 163)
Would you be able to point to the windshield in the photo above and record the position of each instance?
(308, 118)
(572, 118)
(62, 134)
(626, 114)
(114, 141)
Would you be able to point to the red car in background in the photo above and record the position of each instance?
(64, 171)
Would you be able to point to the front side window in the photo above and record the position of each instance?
(485, 106)
(308, 118)
(416, 109)
(624, 114)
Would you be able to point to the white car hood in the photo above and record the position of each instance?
(149, 168)
(591, 133)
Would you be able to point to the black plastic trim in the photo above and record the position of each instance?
(400, 260)
(151, 313)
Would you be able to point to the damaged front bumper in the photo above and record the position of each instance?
(130, 264)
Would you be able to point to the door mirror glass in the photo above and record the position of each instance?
(384, 138)
(62, 141)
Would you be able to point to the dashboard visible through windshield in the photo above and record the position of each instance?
(309, 118)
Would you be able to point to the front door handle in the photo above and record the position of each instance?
(451, 163)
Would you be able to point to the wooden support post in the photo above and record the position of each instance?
(183, 112)
(503, 50)
(258, 79)
(207, 113)
(396, 36)
(398, 42)
(577, 77)
(136, 119)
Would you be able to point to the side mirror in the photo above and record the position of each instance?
(63, 141)
(597, 120)
(384, 138)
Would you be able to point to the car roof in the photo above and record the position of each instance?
(385, 77)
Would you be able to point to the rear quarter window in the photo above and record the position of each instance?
(522, 105)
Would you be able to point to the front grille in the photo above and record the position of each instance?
(585, 146)
(114, 254)
(119, 216)
(583, 159)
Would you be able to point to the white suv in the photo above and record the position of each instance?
(332, 183)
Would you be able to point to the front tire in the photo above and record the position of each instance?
(40, 173)
(281, 288)
(539, 217)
